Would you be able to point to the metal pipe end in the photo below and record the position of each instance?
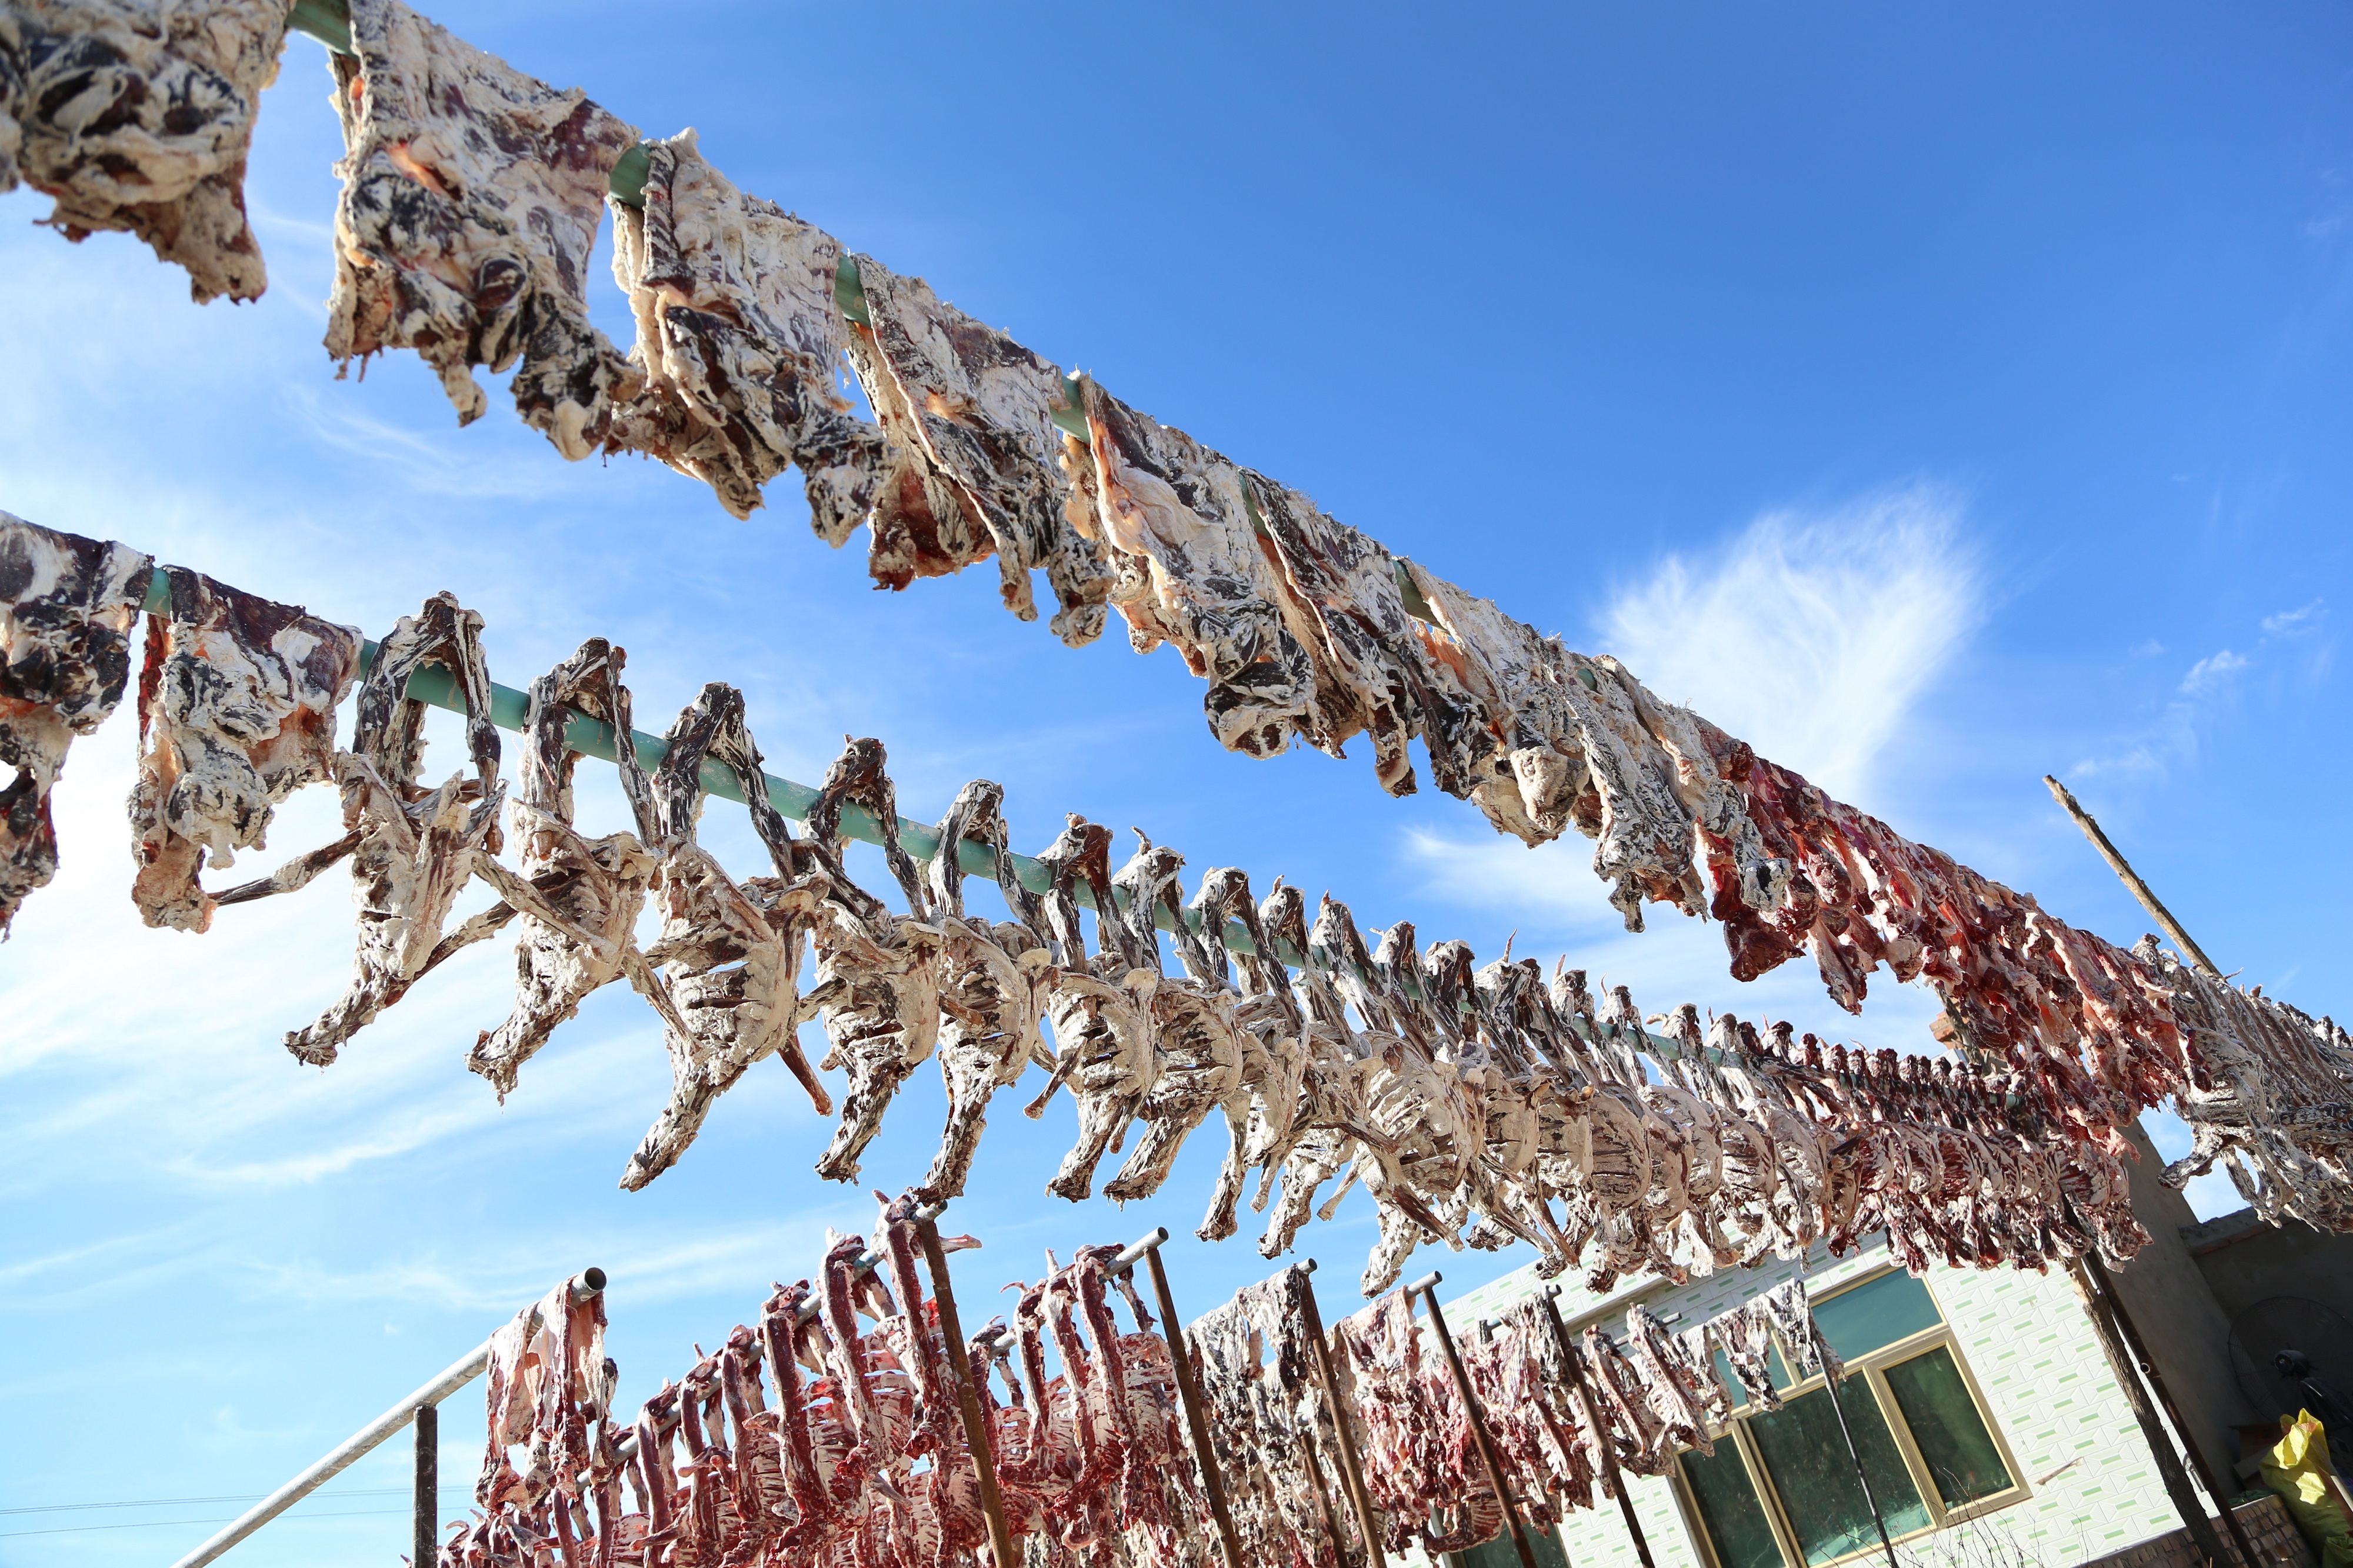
(1306, 1265)
(1423, 1285)
(587, 1283)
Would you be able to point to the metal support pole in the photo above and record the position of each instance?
(1592, 1408)
(1425, 1287)
(2147, 1366)
(2123, 869)
(1180, 1357)
(2152, 1430)
(426, 1537)
(1352, 1467)
(1830, 1389)
(976, 1422)
(588, 1282)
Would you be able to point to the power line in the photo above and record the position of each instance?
(191, 1501)
(155, 1524)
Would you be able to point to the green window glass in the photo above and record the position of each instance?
(1951, 1436)
(1810, 1469)
(1727, 1506)
(1858, 1321)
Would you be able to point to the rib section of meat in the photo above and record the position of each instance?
(413, 849)
(67, 605)
(138, 117)
(471, 195)
(236, 712)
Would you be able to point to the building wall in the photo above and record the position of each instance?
(2180, 1322)
(2093, 1487)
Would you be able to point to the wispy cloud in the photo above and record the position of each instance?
(1814, 632)
(2171, 738)
(2213, 672)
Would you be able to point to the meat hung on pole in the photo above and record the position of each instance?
(1591, 1409)
(1341, 1419)
(1426, 1288)
(67, 609)
(1476, 1104)
(471, 196)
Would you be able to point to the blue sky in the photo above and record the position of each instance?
(1938, 396)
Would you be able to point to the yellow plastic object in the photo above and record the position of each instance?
(2297, 1468)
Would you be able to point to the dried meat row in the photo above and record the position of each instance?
(67, 605)
(829, 1431)
(139, 118)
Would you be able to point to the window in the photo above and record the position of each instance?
(1780, 1490)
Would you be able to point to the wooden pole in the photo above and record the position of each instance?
(976, 1421)
(1425, 1287)
(426, 1536)
(2123, 869)
(1592, 1408)
(2161, 1447)
(2130, 1333)
(1352, 1467)
(1830, 1389)
(1180, 1355)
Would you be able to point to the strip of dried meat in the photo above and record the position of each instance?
(236, 712)
(417, 848)
(1179, 510)
(139, 117)
(978, 408)
(729, 956)
(741, 341)
(598, 886)
(66, 608)
(471, 195)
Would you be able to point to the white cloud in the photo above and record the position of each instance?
(1812, 633)
(2292, 623)
(2209, 673)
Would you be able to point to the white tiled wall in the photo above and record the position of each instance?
(2094, 1487)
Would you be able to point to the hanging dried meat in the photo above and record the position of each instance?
(236, 712)
(1196, 575)
(597, 887)
(728, 956)
(471, 200)
(139, 117)
(992, 983)
(66, 608)
(415, 849)
(741, 343)
(971, 408)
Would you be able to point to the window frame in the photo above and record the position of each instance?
(1871, 1367)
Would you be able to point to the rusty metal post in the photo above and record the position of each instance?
(1352, 1467)
(426, 1536)
(1592, 1408)
(1180, 1355)
(976, 1421)
(1425, 1287)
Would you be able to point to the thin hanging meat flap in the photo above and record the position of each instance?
(236, 712)
(138, 116)
(741, 341)
(471, 194)
(66, 608)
